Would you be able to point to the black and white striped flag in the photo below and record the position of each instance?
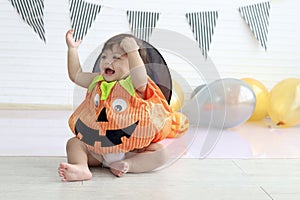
(32, 12)
(257, 18)
(82, 15)
(142, 23)
(202, 25)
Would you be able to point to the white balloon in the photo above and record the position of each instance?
(224, 103)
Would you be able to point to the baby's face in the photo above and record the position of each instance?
(114, 64)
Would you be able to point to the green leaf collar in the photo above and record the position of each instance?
(106, 87)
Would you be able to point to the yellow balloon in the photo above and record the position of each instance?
(177, 97)
(262, 99)
(284, 106)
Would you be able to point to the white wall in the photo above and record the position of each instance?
(34, 73)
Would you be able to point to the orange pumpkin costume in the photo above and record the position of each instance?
(114, 119)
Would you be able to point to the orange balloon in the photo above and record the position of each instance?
(261, 93)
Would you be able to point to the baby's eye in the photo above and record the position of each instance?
(103, 57)
(117, 57)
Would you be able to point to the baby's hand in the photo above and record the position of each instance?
(128, 44)
(70, 40)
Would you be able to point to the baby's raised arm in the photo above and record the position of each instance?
(74, 67)
(137, 67)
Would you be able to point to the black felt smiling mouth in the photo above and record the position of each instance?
(112, 137)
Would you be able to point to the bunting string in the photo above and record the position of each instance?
(142, 23)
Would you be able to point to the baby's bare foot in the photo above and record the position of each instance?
(119, 168)
(70, 172)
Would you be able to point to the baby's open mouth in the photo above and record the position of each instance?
(109, 71)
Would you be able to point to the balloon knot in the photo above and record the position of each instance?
(280, 123)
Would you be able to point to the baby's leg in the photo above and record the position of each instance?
(77, 167)
(152, 157)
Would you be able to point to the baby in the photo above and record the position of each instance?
(120, 58)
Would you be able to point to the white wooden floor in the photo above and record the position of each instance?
(252, 161)
(254, 179)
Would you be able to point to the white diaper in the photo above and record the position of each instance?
(112, 157)
(109, 158)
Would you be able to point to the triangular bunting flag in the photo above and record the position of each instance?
(257, 17)
(32, 12)
(82, 15)
(142, 23)
(202, 25)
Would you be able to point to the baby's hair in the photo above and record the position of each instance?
(117, 40)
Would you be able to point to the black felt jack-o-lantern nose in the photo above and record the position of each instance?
(102, 116)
